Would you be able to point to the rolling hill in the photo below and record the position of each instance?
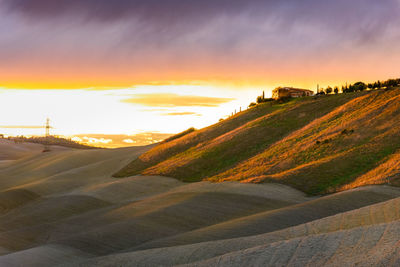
(257, 189)
(318, 145)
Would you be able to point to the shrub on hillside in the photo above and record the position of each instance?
(179, 135)
(328, 90)
(391, 83)
(345, 131)
(284, 99)
(260, 100)
(336, 90)
(252, 104)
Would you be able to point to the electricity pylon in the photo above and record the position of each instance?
(47, 137)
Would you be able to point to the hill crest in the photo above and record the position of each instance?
(318, 145)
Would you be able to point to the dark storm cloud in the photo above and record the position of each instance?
(187, 10)
(367, 17)
(193, 39)
(150, 10)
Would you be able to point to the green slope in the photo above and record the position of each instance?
(316, 144)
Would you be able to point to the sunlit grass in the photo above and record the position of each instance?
(318, 145)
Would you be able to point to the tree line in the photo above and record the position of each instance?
(359, 86)
(348, 88)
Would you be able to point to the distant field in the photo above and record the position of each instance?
(51, 141)
(316, 144)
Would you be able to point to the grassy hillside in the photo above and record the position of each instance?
(315, 144)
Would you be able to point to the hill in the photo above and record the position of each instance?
(11, 150)
(51, 141)
(63, 208)
(318, 145)
(364, 236)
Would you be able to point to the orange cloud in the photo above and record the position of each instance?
(93, 140)
(174, 100)
(129, 141)
(180, 113)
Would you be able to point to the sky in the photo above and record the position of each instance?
(128, 66)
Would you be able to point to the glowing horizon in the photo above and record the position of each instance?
(126, 111)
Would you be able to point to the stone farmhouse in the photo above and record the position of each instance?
(283, 92)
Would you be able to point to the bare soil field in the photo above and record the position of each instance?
(64, 208)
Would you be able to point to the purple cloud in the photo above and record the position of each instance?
(161, 35)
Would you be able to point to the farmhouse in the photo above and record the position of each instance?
(282, 92)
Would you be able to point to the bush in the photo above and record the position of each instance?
(326, 141)
(179, 135)
(252, 104)
(391, 83)
(260, 100)
(284, 99)
(336, 90)
(359, 86)
(345, 131)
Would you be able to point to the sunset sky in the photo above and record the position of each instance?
(128, 66)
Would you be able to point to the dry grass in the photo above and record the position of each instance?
(317, 145)
(299, 161)
(169, 149)
(387, 172)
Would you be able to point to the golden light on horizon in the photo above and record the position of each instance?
(123, 111)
